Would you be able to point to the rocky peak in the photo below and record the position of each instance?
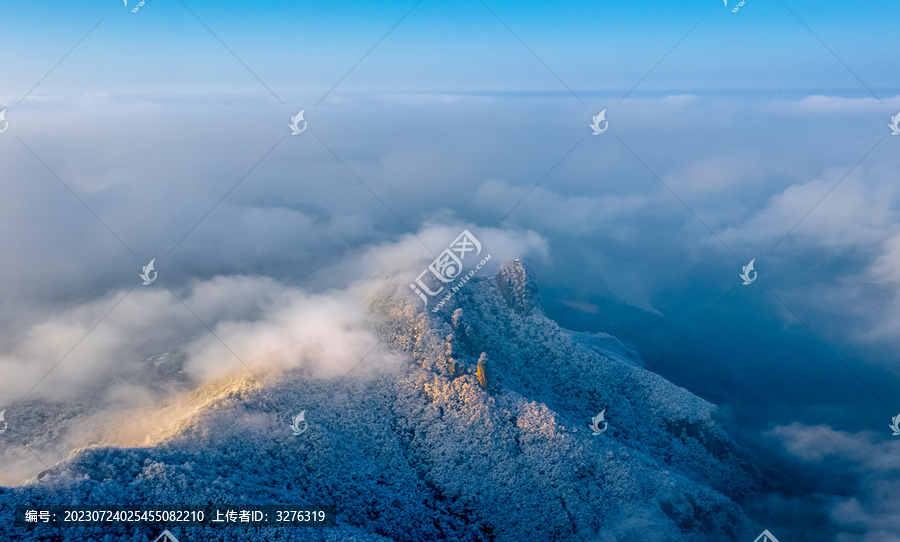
(517, 285)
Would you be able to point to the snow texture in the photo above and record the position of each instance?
(423, 452)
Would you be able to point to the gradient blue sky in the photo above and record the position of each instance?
(301, 48)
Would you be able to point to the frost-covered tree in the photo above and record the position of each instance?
(421, 453)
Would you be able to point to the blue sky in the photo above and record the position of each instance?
(303, 47)
(756, 124)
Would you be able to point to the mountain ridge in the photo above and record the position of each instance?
(420, 450)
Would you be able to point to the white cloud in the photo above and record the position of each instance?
(872, 510)
(858, 211)
(257, 323)
(818, 104)
(681, 100)
(818, 442)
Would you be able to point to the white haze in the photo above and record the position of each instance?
(258, 328)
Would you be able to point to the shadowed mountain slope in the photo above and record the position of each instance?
(423, 451)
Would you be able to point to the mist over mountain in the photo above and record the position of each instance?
(418, 448)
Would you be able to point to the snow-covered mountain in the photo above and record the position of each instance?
(435, 448)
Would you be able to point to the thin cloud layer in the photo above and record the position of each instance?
(871, 507)
(286, 257)
(135, 350)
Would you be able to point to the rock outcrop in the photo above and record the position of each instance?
(440, 450)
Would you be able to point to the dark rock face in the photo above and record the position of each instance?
(425, 453)
(515, 281)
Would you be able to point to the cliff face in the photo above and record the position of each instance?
(663, 470)
(440, 450)
(516, 284)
